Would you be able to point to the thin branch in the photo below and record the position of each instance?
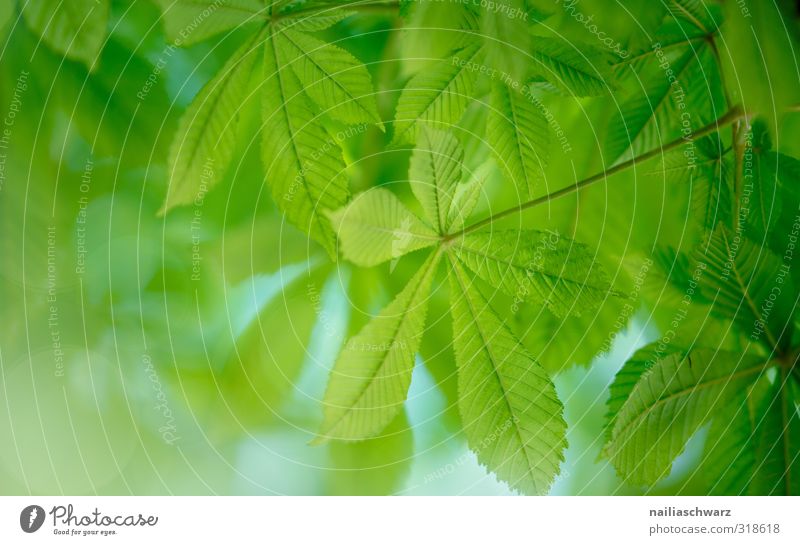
(734, 114)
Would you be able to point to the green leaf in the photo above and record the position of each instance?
(331, 76)
(665, 107)
(507, 38)
(574, 69)
(205, 142)
(369, 383)
(519, 137)
(438, 95)
(511, 414)
(315, 22)
(787, 177)
(464, 200)
(187, 22)
(752, 445)
(538, 267)
(700, 13)
(375, 227)
(673, 399)
(434, 174)
(75, 29)
(628, 376)
(708, 175)
(711, 191)
(746, 283)
(304, 164)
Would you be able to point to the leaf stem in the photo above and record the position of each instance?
(733, 115)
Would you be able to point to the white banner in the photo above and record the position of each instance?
(399, 520)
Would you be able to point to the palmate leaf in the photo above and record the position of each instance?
(574, 69)
(434, 174)
(678, 394)
(304, 164)
(75, 29)
(187, 22)
(437, 95)
(331, 76)
(375, 227)
(519, 136)
(538, 267)
(204, 144)
(370, 380)
(511, 415)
